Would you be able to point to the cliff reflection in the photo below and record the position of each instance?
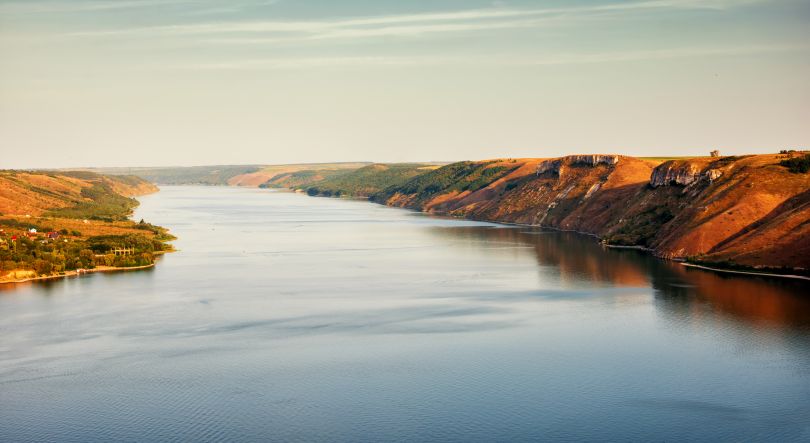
(681, 291)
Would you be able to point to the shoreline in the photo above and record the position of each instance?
(77, 273)
(733, 271)
(646, 250)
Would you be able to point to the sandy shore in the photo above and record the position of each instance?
(77, 273)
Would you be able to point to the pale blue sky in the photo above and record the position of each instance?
(184, 82)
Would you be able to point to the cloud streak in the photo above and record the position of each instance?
(550, 60)
(405, 24)
(33, 7)
(200, 7)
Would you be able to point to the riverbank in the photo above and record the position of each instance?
(759, 274)
(77, 273)
(602, 240)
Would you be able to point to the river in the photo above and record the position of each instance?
(284, 317)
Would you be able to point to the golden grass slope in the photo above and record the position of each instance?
(35, 192)
(266, 173)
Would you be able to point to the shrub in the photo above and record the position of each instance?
(797, 165)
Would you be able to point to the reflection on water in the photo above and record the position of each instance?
(580, 259)
(289, 318)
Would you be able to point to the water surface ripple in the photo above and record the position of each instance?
(289, 318)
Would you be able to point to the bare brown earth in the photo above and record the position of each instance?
(733, 211)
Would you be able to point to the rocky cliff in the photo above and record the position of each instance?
(555, 166)
(683, 173)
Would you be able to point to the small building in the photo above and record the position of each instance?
(715, 153)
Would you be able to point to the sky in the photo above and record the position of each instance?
(198, 82)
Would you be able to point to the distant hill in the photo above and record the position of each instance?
(266, 174)
(361, 182)
(233, 175)
(186, 175)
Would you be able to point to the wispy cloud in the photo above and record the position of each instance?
(31, 7)
(406, 24)
(662, 54)
(548, 60)
(199, 7)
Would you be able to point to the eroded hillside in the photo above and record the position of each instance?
(733, 211)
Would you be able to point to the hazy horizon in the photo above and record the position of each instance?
(145, 83)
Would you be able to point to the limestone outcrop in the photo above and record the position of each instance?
(555, 166)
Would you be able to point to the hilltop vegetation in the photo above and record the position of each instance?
(301, 179)
(57, 222)
(797, 165)
(365, 181)
(272, 175)
(190, 175)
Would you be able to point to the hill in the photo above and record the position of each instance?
(361, 182)
(53, 223)
(268, 175)
(748, 212)
(233, 175)
(184, 175)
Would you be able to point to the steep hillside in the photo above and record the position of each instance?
(362, 182)
(265, 174)
(730, 211)
(300, 179)
(187, 175)
(34, 193)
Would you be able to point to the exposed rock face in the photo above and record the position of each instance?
(552, 166)
(555, 166)
(682, 173)
(713, 174)
(671, 173)
(592, 159)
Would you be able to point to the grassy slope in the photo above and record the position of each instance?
(190, 175)
(265, 174)
(363, 182)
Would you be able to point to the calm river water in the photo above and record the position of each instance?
(290, 318)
